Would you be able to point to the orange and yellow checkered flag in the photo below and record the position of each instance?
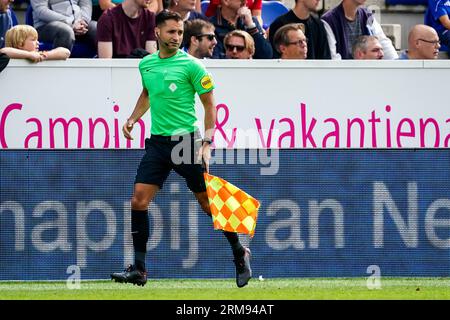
(232, 209)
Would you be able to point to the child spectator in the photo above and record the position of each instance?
(22, 43)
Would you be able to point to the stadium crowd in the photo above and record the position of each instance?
(222, 29)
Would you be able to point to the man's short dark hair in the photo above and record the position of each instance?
(165, 15)
(193, 28)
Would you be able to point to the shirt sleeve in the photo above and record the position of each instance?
(388, 48)
(212, 8)
(201, 79)
(254, 4)
(104, 28)
(141, 73)
(86, 10)
(331, 42)
(42, 12)
(439, 9)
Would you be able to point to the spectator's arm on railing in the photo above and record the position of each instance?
(14, 53)
(59, 53)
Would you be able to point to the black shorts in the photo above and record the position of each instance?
(164, 153)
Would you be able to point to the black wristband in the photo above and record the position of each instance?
(208, 141)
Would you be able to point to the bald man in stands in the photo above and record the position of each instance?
(423, 44)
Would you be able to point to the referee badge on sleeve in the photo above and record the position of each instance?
(206, 82)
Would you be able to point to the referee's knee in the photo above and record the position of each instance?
(139, 203)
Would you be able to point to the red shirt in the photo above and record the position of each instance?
(212, 7)
(125, 33)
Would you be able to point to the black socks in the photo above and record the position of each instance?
(236, 246)
(140, 233)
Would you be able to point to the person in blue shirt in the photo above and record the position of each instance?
(6, 22)
(438, 18)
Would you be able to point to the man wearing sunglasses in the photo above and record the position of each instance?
(239, 45)
(423, 44)
(199, 38)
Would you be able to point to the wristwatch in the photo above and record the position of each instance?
(208, 141)
(130, 123)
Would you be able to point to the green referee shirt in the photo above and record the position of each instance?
(172, 84)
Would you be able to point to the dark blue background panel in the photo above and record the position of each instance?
(325, 213)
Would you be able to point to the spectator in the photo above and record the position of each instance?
(349, 20)
(367, 48)
(254, 5)
(186, 9)
(22, 43)
(239, 45)
(304, 12)
(4, 60)
(5, 20)
(124, 28)
(199, 38)
(438, 18)
(291, 42)
(63, 21)
(423, 43)
(232, 15)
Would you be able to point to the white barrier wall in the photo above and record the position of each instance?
(261, 104)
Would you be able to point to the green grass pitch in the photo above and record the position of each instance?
(225, 289)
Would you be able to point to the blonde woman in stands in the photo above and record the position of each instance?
(21, 42)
